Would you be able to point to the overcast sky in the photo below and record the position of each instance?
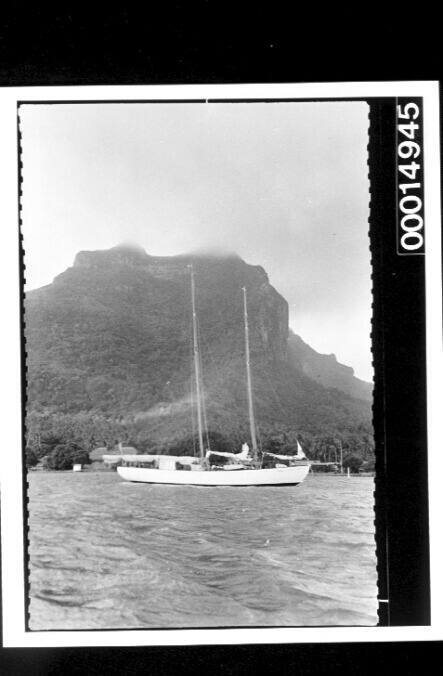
(285, 185)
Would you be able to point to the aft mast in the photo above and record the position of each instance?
(249, 380)
(197, 368)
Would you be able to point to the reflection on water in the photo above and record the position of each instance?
(110, 554)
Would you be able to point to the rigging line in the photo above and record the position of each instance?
(192, 407)
(193, 420)
(256, 428)
(197, 365)
(192, 384)
(252, 424)
(260, 445)
(203, 393)
(205, 420)
(220, 374)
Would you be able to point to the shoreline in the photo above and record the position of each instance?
(110, 471)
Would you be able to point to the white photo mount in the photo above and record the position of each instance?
(15, 586)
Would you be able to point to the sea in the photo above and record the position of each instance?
(107, 554)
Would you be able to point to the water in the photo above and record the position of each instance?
(110, 554)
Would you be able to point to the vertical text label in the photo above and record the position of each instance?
(410, 189)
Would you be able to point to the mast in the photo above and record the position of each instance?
(197, 368)
(249, 380)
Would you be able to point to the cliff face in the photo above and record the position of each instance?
(112, 335)
(158, 290)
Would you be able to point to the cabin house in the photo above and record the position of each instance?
(111, 456)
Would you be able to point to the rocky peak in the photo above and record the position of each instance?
(326, 370)
(124, 254)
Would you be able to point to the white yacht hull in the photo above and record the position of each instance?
(275, 476)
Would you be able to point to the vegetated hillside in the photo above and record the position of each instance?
(326, 370)
(110, 338)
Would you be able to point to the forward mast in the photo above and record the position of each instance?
(249, 378)
(197, 369)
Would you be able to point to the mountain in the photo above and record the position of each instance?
(111, 336)
(326, 370)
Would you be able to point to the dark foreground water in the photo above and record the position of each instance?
(109, 554)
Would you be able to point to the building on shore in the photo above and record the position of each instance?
(111, 456)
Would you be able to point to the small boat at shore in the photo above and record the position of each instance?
(237, 469)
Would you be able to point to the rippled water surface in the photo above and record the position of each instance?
(110, 554)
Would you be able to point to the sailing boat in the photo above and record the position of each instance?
(243, 469)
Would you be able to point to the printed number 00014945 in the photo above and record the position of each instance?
(410, 204)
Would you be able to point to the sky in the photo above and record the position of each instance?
(284, 185)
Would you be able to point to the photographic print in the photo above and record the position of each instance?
(202, 441)
(191, 272)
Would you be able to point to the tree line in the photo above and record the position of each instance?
(60, 440)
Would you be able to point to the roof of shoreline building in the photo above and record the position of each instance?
(98, 453)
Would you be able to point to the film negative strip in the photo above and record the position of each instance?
(222, 387)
